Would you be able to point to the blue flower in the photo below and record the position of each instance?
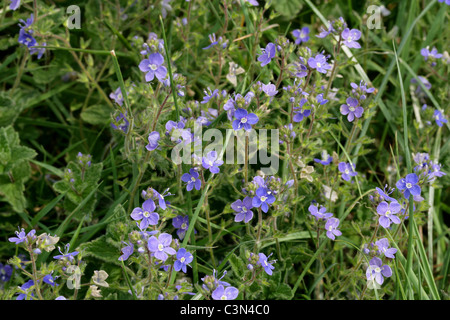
(319, 62)
(66, 255)
(117, 96)
(347, 170)
(160, 246)
(409, 185)
(326, 159)
(127, 251)
(263, 198)
(153, 139)
(385, 194)
(439, 118)
(350, 38)
(319, 213)
(212, 39)
(210, 162)
(210, 282)
(210, 94)
(27, 39)
(183, 259)
(50, 280)
(267, 265)
(435, 171)
(299, 113)
(331, 227)
(121, 123)
(360, 90)
(433, 54)
(325, 32)
(220, 293)
(151, 193)
(301, 35)
(243, 209)
(267, 54)
(377, 270)
(182, 224)
(146, 214)
(5, 272)
(14, 5)
(387, 212)
(270, 89)
(22, 237)
(153, 66)
(192, 179)
(244, 120)
(25, 287)
(383, 248)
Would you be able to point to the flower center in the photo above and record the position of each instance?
(192, 179)
(182, 259)
(244, 120)
(319, 65)
(388, 213)
(347, 171)
(160, 247)
(146, 214)
(224, 297)
(210, 163)
(352, 109)
(377, 270)
(263, 198)
(408, 185)
(183, 226)
(153, 66)
(244, 209)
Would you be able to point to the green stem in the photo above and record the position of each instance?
(169, 66)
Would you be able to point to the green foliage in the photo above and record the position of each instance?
(86, 180)
(15, 168)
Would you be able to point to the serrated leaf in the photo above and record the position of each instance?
(102, 250)
(237, 265)
(282, 292)
(14, 168)
(13, 194)
(8, 110)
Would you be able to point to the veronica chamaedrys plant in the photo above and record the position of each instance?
(377, 271)
(153, 67)
(192, 180)
(183, 259)
(347, 170)
(243, 210)
(146, 215)
(160, 247)
(388, 213)
(267, 54)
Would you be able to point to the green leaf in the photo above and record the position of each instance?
(237, 265)
(13, 193)
(8, 110)
(14, 168)
(101, 249)
(96, 115)
(288, 8)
